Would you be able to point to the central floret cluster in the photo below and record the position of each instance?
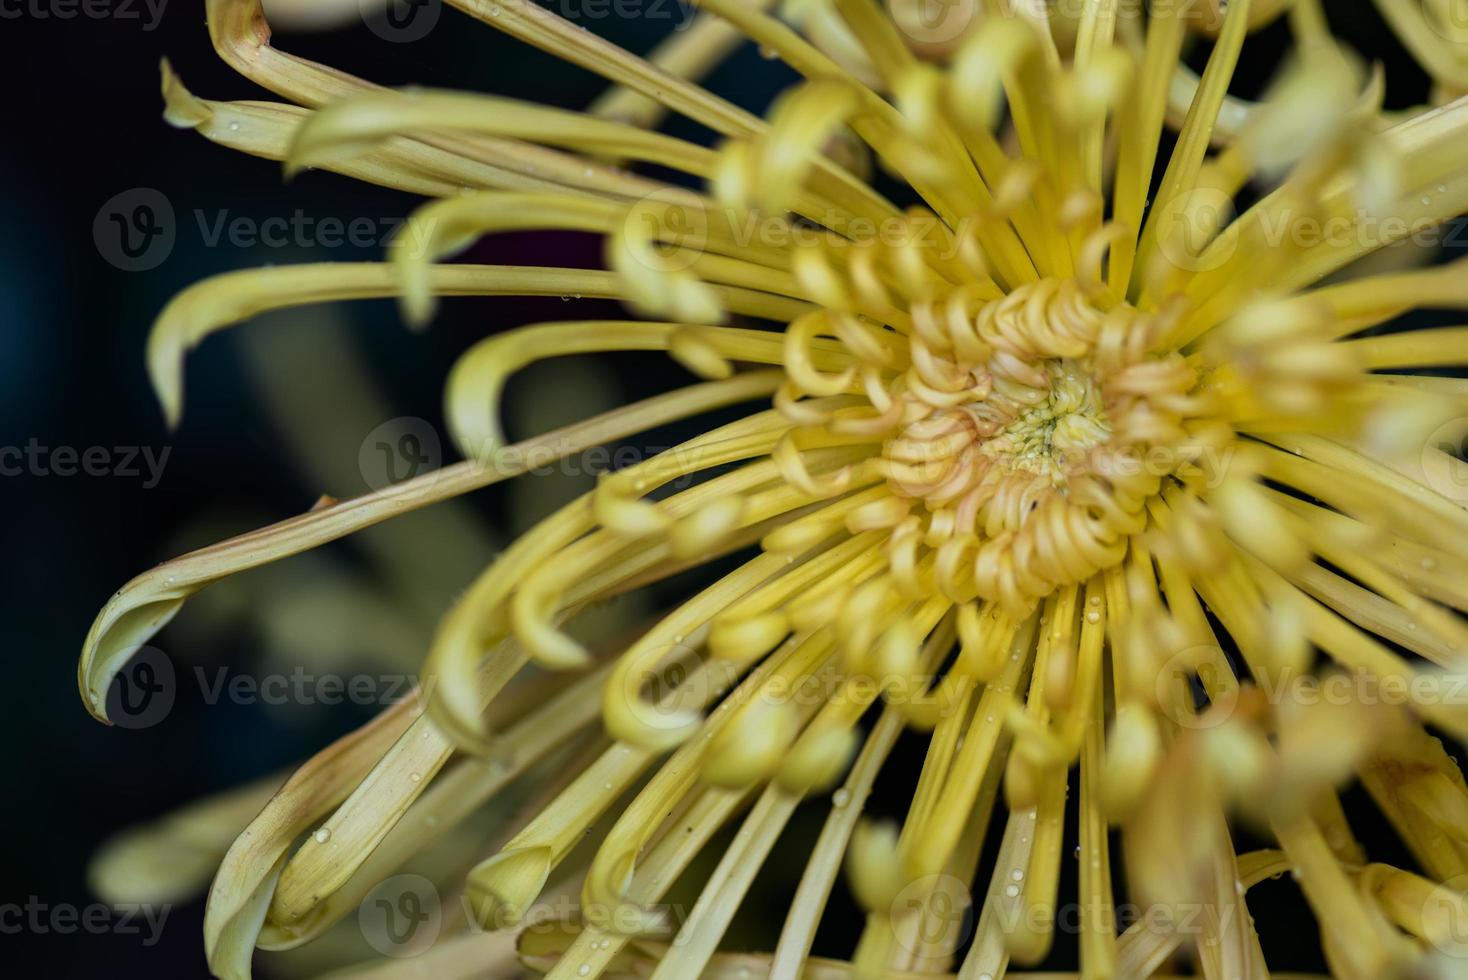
(1049, 438)
(1034, 431)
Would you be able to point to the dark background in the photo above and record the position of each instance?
(82, 123)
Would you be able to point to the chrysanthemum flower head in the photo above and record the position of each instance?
(1077, 466)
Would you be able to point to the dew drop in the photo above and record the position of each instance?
(323, 835)
(840, 798)
(583, 970)
(1093, 617)
(1012, 891)
(1017, 875)
(415, 777)
(234, 127)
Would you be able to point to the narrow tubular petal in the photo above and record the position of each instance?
(473, 389)
(266, 130)
(241, 890)
(229, 299)
(344, 841)
(149, 601)
(241, 36)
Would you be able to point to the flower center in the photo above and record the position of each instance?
(1052, 438)
(1035, 429)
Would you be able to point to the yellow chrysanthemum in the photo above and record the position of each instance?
(1071, 467)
